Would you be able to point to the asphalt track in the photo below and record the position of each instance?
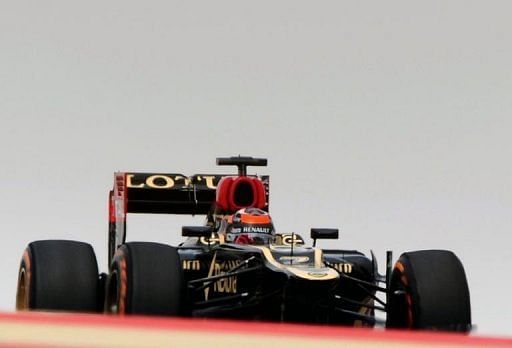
(71, 330)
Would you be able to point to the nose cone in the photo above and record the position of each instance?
(309, 294)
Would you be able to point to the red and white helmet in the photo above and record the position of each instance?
(250, 226)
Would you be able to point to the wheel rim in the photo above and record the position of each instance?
(112, 300)
(22, 293)
(400, 306)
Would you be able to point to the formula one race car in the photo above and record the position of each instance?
(237, 266)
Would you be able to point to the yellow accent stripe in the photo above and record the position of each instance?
(318, 258)
(210, 273)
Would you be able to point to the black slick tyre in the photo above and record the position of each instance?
(429, 290)
(58, 275)
(146, 279)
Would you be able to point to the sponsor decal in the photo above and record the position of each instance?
(317, 274)
(162, 181)
(293, 259)
(237, 229)
(291, 239)
(212, 240)
(253, 229)
(191, 265)
(228, 284)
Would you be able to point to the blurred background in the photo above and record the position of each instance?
(389, 120)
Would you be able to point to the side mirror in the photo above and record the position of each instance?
(196, 231)
(324, 233)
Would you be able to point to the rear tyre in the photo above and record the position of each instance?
(429, 290)
(58, 275)
(145, 278)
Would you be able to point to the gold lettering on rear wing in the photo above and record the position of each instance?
(169, 181)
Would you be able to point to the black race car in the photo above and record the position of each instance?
(276, 278)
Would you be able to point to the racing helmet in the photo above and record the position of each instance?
(250, 226)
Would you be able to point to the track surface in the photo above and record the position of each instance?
(71, 330)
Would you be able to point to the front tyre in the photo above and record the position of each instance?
(145, 278)
(58, 275)
(429, 290)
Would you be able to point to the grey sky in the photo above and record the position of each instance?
(390, 120)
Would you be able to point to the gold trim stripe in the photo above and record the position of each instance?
(305, 273)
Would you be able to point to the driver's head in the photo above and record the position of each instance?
(250, 226)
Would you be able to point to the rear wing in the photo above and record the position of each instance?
(170, 193)
(156, 193)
